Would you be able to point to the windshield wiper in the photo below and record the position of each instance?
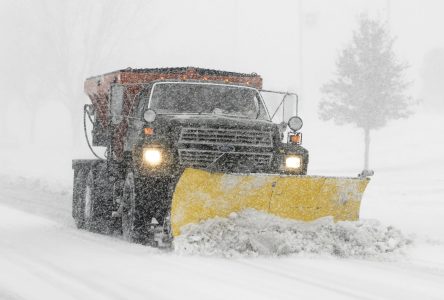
(202, 110)
(222, 113)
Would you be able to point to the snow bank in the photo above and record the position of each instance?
(36, 184)
(37, 196)
(254, 233)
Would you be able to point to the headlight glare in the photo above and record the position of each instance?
(293, 162)
(152, 156)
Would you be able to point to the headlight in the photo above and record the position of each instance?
(293, 162)
(152, 156)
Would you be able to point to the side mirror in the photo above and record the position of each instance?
(295, 123)
(149, 115)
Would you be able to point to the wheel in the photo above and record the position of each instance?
(156, 195)
(164, 236)
(132, 219)
(98, 202)
(92, 204)
(89, 201)
(144, 199)
(78, 196)
(91, 210)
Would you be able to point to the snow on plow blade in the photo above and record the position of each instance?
(201, 195)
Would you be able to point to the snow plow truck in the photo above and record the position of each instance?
(182, 145)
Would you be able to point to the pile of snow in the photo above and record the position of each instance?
(37, 196)
(254, 233)
(35, 184)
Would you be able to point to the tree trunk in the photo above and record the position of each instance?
(366, 148)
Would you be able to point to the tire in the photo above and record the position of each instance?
(78, 198)
(98, 201)
(133, 225)
(90, 208)
(156, 195)
(89, 203)
(143, 199)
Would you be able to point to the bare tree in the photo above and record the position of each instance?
(369, 88)
(64, 41)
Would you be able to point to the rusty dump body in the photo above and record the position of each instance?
(187, 144)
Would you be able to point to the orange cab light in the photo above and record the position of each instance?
(296, 139)
(148, 131)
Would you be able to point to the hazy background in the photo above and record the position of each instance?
(49, 47)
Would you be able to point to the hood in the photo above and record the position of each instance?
(214, 121)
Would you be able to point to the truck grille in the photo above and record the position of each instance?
(235, 137)
(231, 160)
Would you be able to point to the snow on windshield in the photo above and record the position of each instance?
(174, 98)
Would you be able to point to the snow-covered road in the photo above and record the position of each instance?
(43, 256)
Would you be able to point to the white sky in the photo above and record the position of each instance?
(263, 36)
(234, 35)
(247, 36)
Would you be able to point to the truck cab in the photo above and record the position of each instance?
(208, 125)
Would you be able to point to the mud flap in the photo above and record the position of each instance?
(201, 195)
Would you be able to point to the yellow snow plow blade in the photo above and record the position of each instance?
(201, 195)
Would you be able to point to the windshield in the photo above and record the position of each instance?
(203, 98)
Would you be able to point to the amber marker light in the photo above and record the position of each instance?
(148, 131)
(296, 138)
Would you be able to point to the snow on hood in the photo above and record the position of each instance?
(254, 233)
